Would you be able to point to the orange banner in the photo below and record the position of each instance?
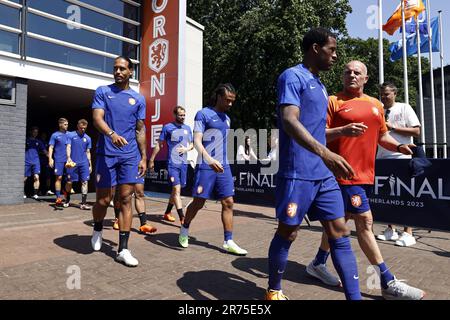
(159, 64)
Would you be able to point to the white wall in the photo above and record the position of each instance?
(194, 74)
(194, 70)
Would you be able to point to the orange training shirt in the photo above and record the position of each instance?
(359, 151)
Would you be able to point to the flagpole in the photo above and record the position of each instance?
(433, 104)
(441, 47)
(380, 42)
(419, 67)
(405, 61)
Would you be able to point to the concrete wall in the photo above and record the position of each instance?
(12, 145)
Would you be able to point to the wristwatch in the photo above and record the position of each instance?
(111, 133)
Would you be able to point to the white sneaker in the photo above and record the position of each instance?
(125, 257)
(96, 240)
(50, 193)
(66, 204)
(35, 197)
(399, 290)
(389, 234)
(24, 196)
(233, 248)
(405, 240)
(321, 272)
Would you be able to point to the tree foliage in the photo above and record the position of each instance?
(249, 43)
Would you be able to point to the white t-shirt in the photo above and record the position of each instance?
(401, 115)
(241, 156)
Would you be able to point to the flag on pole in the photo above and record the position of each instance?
(421, 18)
(412, 8)
(411, 42)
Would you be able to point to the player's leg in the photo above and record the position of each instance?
(224, 190)
(58, 172)
(84, 176)
(278, 257)
(71, 177)
(106, 180)
(203, 187)
(177, 196)
(292, 201)
(36, 185)
(328, 207)
(26, 175)
(227, 220)
(191, 211)
(103, 197)
(116, 203)
(139, 204)
(174, 181)
(58, 182)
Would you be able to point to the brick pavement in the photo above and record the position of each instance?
(40, 246)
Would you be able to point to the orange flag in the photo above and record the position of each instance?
(412, 8)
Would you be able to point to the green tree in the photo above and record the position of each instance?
(249, 43)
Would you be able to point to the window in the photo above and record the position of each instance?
(7, 91)
(10, 16)
(61, 54)
(9, 41)
(87, 17)
(117, 7)
(60, 31)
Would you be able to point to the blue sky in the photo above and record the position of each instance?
(359, 22)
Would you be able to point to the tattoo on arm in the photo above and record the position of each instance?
(140, 138)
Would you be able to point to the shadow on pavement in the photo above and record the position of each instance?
(170, 241)
(294, 272)
(220, 285)
(445, 254)
(82, 245)
(255, 215)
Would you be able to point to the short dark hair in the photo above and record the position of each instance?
(316, 35)
(34, 128)
(62, 120)
(83, 121)
(175, 110)
(389, 84)
(220, 90)
(130, 63)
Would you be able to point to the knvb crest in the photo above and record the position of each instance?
(159, 55)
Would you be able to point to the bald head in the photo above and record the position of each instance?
(356, 64)
(354, 78)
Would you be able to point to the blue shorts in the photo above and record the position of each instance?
(111, 171)
(211, 185)
(320, 199)
(59, 168)
(355, 198)
(177, 175)
(32, 168)
(79, 173)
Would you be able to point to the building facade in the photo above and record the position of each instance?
(55, 53)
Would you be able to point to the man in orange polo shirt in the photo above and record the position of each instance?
(355, 125)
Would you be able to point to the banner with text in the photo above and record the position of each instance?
(397, 197)
(162, 31)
